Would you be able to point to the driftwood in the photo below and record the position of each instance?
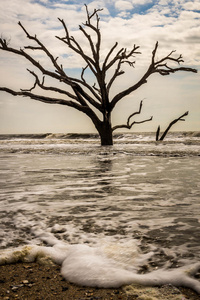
(168, 128)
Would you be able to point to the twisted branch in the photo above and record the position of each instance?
(47, 88)
(59, 69)
(40, 98)
(160, 67)
(121, 56)
(59, 74)
(129, 125)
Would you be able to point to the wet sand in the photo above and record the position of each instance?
(33, 281)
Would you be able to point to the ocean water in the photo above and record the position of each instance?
(115, 215)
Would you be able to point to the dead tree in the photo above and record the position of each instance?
(93, 100)
(168, 128)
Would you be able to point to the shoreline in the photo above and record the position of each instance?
(33, 281)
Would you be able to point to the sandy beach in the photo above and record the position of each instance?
(33, 281)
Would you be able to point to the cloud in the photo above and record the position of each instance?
(158, 23)
(129, 5)
(123, 5)
(189, 5)
(141, 2)
(163, 2)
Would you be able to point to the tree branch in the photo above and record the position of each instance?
(40, 98)
(42, 86)
(93, 65)
(96, 29)
(85, 84)
(122, 55)
(115, 75)
(43, 48)
(89, 17)
(61, 76)
(108, 55)
(82, 74)
(90, 42)
(129, 125)
(161, 66)
(170, 125)
(50, 100)
(155, 67)
(21, 52)
(74, 45)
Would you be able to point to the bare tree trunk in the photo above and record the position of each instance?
(106, 137)
(106, 132)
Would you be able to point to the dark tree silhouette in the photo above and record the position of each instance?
(94, 101)
(169, 126)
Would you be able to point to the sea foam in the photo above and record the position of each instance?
(93, 267)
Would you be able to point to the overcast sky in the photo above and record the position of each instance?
(175, 24)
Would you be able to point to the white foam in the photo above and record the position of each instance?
(97, 267)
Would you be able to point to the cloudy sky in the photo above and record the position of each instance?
(175, 24)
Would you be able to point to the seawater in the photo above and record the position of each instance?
(108, 215)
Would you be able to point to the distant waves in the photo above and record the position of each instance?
(92, 135)
(49, 135)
